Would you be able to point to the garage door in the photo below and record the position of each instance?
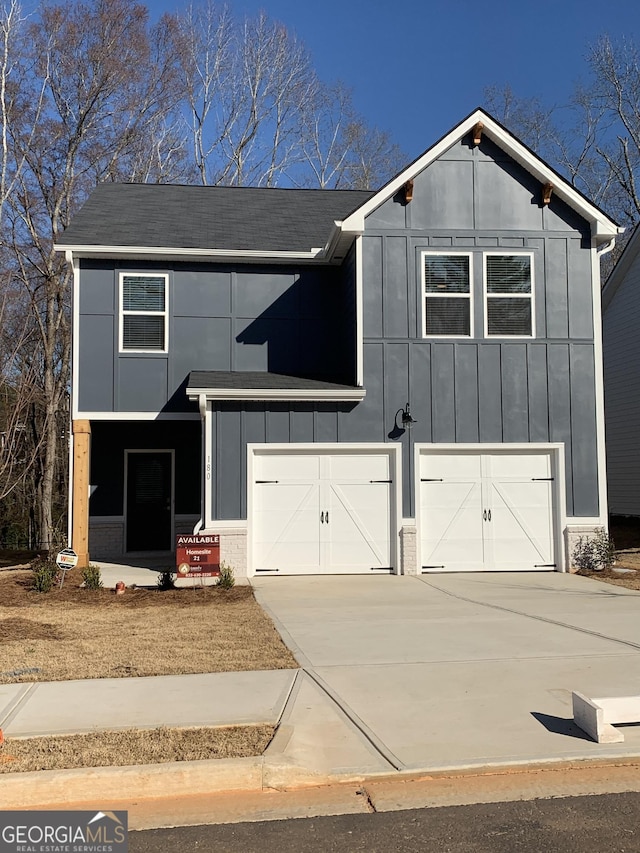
(322, 513)
(486, 511)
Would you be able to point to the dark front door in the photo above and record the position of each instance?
(149, 498)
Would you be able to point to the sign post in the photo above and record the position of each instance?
(198, 556)
(66, 559)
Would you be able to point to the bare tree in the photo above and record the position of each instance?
(339, 149)
(243, 84)
(91, 92)
(594, 138)
(86, 111)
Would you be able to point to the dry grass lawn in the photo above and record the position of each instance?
(135, 746)
(75, 633)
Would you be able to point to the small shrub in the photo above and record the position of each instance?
(166, 580)
(45, 573)
(91, 577)
(594, 553)
(226, 579)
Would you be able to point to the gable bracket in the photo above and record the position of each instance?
(547, 190)
(476, 133)
(408, 191)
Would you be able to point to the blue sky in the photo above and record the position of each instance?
(417, 68)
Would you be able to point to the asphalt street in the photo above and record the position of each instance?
(593, 824)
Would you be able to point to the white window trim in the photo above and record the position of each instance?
(424, 296)
(122, 312)
(487, 296)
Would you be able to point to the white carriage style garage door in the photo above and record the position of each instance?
(322, 512)
(487, 511)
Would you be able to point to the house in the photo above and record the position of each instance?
(406, 380)
(621, 311)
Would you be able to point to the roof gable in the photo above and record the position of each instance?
(603, 228)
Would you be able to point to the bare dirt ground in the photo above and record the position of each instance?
(135, 746)
(75, 633)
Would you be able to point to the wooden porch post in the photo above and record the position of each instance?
(80, 503)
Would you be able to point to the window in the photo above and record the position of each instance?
(144, 315)
(447, 295)
(509, 295)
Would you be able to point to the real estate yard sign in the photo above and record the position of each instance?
(198, 556)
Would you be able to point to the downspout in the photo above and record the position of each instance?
(603, 509)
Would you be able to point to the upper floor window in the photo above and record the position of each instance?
(508, 295)
(143, 313)
(447, 295)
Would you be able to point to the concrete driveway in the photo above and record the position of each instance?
(461, 670)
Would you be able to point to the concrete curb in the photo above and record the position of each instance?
(57, 788)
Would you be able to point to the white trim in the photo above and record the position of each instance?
(162, 252)
(394, 451)
(487, 296)
(556, 449)
(172, 454)
(147, 313)
(359, 313)
(598, 360)
(137, 416)
(602, 228)
(75, 361)
(75, 336)
(469, 296)
(274, 394)
(208, 468)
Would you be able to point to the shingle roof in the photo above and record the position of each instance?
(194, 217)
(232, 380)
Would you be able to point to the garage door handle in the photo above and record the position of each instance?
(266, 481)
(484, 515)
(322, 518)
(489, 515)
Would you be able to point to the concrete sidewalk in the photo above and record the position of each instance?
(399, 676)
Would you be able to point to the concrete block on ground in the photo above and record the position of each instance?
(597, 717)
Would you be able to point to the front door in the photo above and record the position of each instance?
(149, 498)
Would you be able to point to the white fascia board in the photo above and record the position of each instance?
(602, 227)
(281, 394)
(137, 416)
(161, 252)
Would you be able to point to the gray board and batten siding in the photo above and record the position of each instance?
(475, 390)
(621, 321)
(482, 390)
(253, 318)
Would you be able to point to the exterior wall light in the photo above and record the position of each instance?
(406, 420)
